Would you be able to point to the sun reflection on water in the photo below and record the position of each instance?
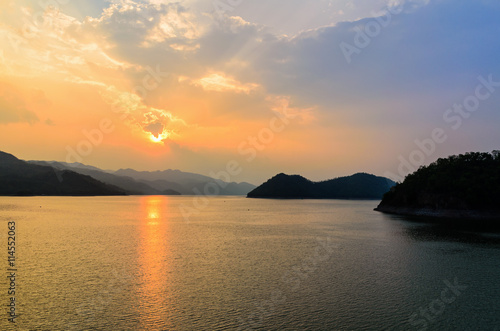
(154, 257)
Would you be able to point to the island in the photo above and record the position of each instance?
(465, 186)
(357, 186)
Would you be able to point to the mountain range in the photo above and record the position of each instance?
(357, 186)
(19, 177)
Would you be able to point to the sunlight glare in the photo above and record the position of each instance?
(160, 138)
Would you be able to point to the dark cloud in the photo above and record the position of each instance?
(419, 62)
(407, 72)
(155, 128)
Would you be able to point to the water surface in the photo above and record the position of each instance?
(138, 263)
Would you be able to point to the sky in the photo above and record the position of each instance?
(249, 89)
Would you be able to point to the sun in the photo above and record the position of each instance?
(160, 138)
(155, 139)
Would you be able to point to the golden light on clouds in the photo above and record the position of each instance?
(221, 83)
(157, 132)
(185, 86)
(161, 125)
(141, 66)
(158, 139)
(173, 25)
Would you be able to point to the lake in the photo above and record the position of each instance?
(229, 263)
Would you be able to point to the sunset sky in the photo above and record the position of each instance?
(321, 88)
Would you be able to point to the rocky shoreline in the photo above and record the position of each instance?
(463, 214)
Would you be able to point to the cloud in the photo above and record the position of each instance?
(220, 83)
(160, 124)
(421, 55)
(281, 105)
(130, 28)
(153, 122)
(155, 128)
(212, 76)
(13, 108)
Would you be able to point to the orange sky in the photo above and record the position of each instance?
(159, 85)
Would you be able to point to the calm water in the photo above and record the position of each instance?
(135, 263)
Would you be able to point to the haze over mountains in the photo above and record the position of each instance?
(18, 178)
(184, 182)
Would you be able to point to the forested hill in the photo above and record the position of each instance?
(358, 186)
(18, 177)
(468, 182)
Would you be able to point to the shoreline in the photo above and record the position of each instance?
(460, 214)
(312, 198)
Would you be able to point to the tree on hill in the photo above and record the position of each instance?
(465, 181)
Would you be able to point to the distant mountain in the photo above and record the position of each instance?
(168, 175)
(127, 184)
(358, 186)
(167, 182)
(185, 182)
(18, 177)
(164, 185)
(460, 186)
